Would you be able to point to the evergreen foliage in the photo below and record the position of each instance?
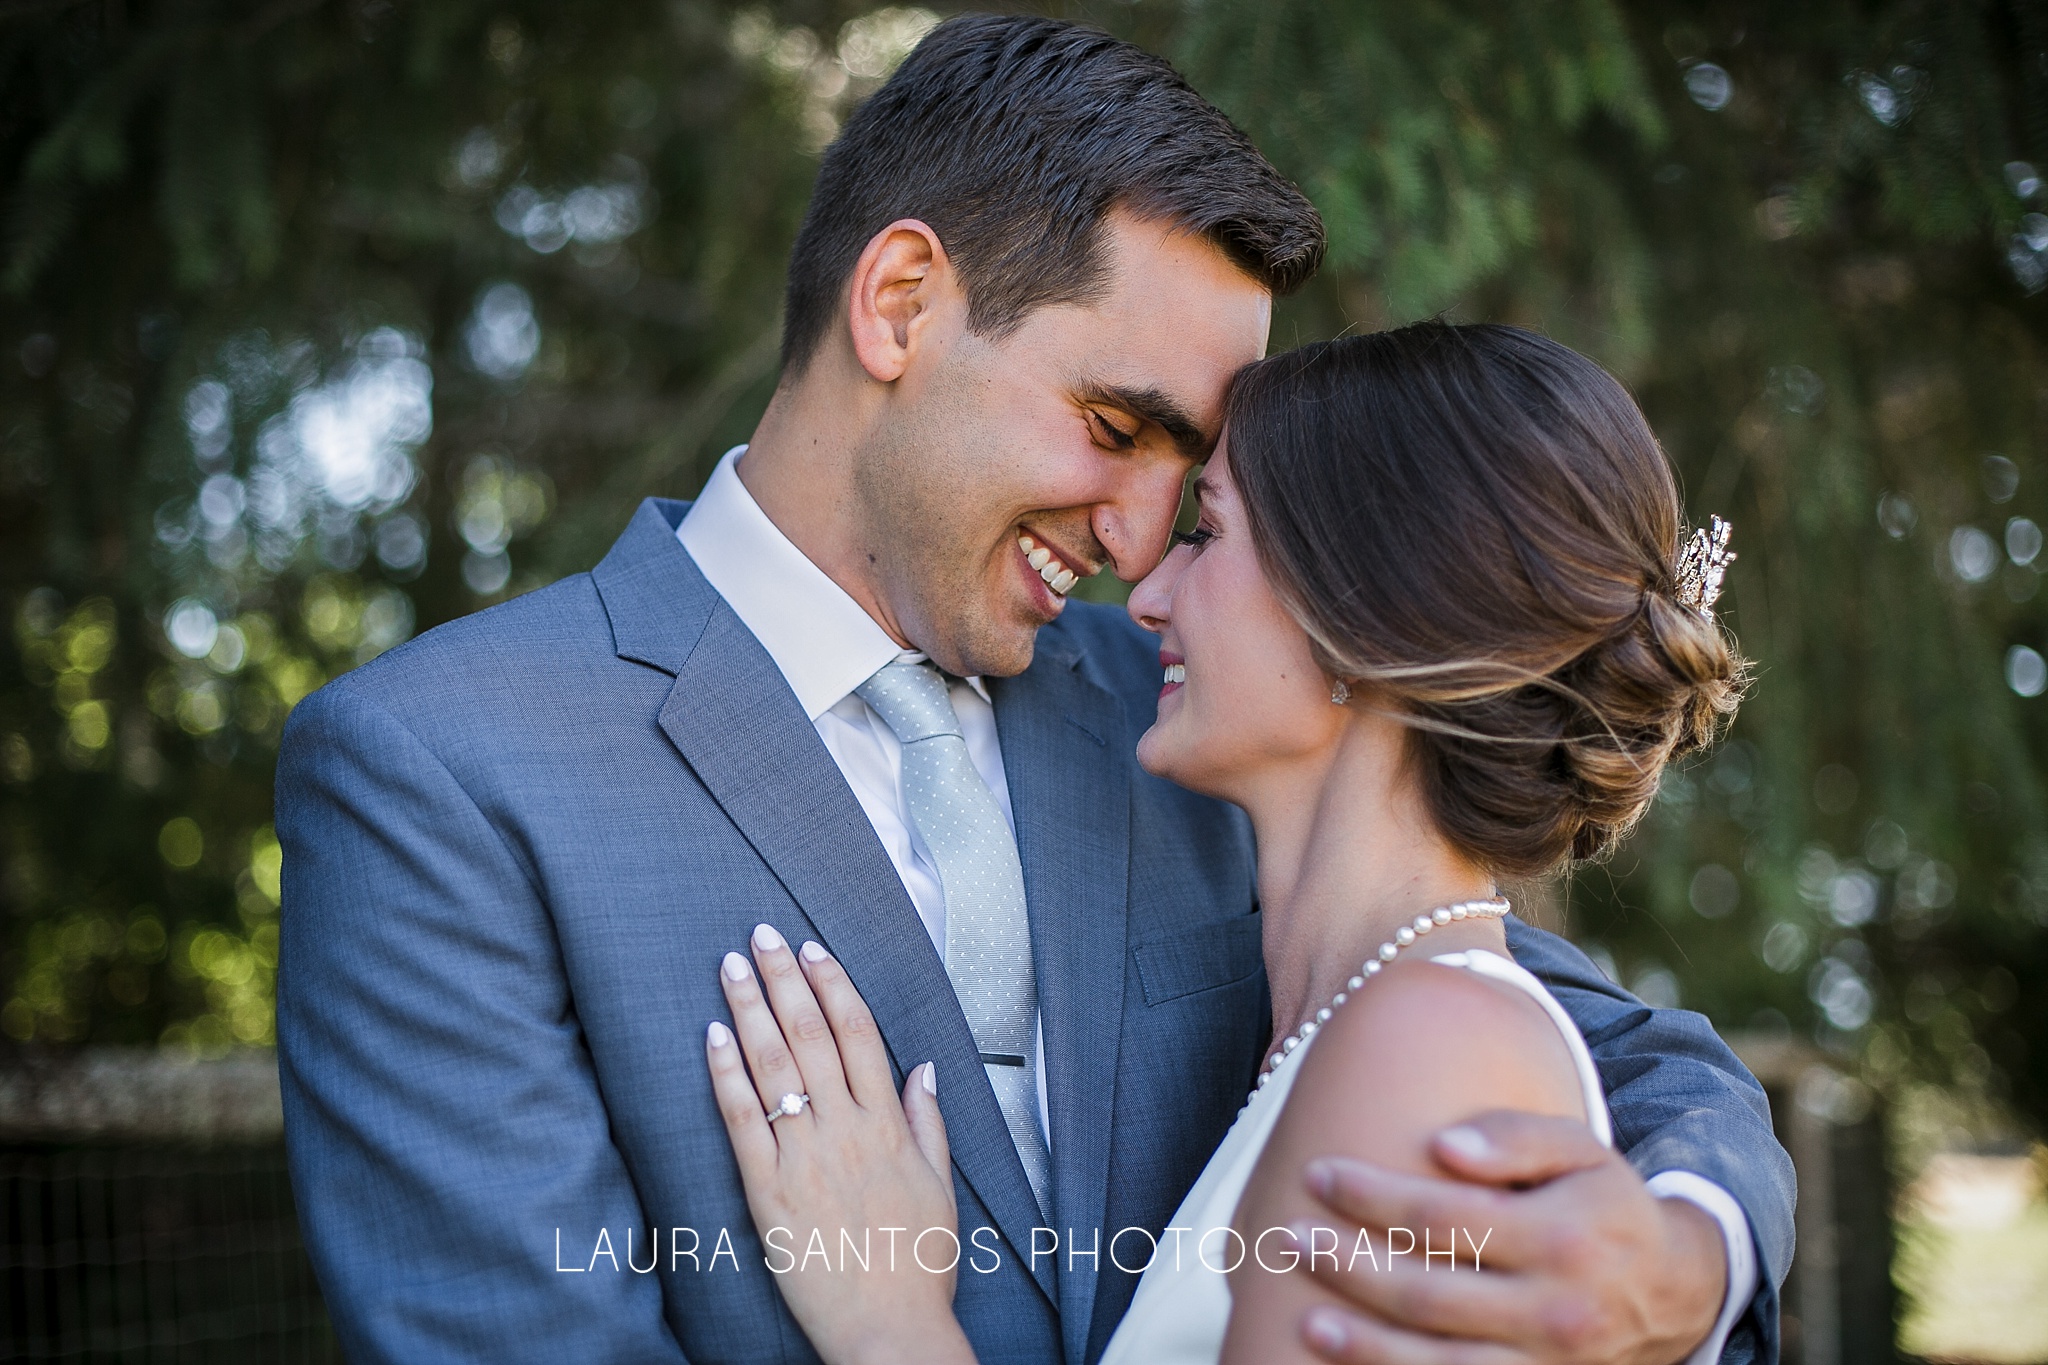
(326, 322)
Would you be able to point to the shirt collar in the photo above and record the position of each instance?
(824, 642)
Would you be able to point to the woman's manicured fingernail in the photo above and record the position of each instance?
(736, 968)
(931, 1078)
(766, 939)
(1469, 1143)
(719, 1035)
(814, 952)
(1325, 1330)
(1322, 1178)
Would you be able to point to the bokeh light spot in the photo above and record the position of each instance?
(180, 842)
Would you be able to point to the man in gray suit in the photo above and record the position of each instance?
(517, 847)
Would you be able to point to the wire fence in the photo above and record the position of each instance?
(146, 1216)
(155, 1255)
(1839, 1305)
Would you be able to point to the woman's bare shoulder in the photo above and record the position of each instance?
(1423, 1045)
(1418, 1048)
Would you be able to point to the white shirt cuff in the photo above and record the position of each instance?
(1735, 1236)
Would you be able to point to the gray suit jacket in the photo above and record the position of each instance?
(515, 850)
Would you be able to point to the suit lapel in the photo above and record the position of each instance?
(734, 720)
(1063, 744)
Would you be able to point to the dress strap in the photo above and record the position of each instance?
(1492, 964)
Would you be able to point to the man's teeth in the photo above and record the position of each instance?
(1057, 576)
(1176, 673)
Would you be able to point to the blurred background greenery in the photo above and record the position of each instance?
(324, 321)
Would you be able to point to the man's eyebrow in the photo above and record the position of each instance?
(1157, 407)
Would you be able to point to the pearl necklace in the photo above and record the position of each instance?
(1497, 908)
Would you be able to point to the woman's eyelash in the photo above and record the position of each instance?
(1200, 536)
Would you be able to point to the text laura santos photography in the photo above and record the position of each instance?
(940, 1250)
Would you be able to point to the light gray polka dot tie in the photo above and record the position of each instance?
(988, 936)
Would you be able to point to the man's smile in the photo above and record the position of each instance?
(1051, 565)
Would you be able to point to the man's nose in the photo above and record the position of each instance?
(1134, 527)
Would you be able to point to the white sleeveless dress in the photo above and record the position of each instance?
(1182, 1305)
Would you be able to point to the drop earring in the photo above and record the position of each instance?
(1340, 692)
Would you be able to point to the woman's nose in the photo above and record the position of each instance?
(1151, 604)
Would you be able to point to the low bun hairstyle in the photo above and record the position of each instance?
(1480, 535)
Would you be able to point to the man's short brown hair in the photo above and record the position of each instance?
(1012, 138)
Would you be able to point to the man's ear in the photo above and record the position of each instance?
(898, 286)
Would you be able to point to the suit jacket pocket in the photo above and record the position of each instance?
(1202, 958)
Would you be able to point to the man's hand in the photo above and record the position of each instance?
(1583, 1264)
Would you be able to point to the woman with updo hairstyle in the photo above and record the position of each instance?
(1491, 553)
(1440, 625)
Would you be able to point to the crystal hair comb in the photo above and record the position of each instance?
(1702, 565)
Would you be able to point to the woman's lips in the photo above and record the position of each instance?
(1174, 673)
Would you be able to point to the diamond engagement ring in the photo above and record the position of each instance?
(789, 1106)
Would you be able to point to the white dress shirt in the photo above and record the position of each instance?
(826, 645)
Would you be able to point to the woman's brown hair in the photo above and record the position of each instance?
(1480, 534)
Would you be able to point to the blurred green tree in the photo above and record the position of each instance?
(326, 322)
